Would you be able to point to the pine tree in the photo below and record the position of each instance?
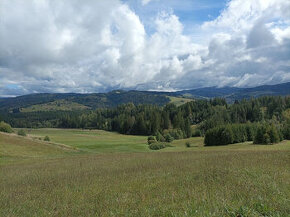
(274, 135)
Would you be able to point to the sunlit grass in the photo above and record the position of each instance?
(235, 180)
(94, 141)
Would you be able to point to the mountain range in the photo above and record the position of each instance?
(76, 101)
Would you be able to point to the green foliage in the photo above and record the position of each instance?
(151, 138)
(160, 137)
(187, 144)
(157, 146)
(196, 133)
(58, 105)
(267, 134)
(46, 138)
(6, 128)
(222, 135)
(239, 133)
(169, 138)
(159, 121)
(21, 132)
(286, 130)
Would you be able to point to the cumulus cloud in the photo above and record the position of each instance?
(92, 46)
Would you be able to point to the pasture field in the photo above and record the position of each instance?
(178, 101)
(70, 179)
(15, 148)
(94, 141)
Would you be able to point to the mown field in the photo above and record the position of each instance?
(93, 141)
(76, 174)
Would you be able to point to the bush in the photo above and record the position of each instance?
(250, 129)
(266, 139)
(219, 136)
(160, 138)
(168, 138)
(267, 134)
(187, 144)
(151, 139)
(286, 130)
(6, 128)
(46, 138)
(176, 134)
(274, 135)
(239, 132)
(196, 133)
(157, 146)
(21, 133)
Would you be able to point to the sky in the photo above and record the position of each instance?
(87, 46)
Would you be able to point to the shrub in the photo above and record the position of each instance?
(160, 138)
(259, 137)
(157, 146)
(187, 144)
(175, 134)
(266, 139)
(6, 128)
(239, 132)
(219, 136)
(267, 134)
(21, 133)
(286, 130)
(169, 138)
(196, 133)
(46, 138)
(151, 139)
(250, 129)
(274, 135)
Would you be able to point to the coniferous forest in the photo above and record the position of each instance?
(262, 120)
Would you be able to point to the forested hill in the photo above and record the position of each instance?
(232, 93)
(74, 101)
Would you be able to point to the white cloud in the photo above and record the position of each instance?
(90, 46)
(145, 2)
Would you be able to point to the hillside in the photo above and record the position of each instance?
(17, 149)
(40, 179)
(75, 101)
(232, 93)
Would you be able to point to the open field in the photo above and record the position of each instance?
(235, 180)
(99, 141)
(94, 141)
(15, 148)
(179, 100)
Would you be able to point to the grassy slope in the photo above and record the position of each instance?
(15, 148)
(230, 180)
(179, 100)
(58, 105)
(95, 141)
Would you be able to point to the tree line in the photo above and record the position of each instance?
(236, 122)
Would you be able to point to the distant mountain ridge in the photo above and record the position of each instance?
(233, 93)
(63, 101)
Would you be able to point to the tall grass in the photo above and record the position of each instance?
(199, 183)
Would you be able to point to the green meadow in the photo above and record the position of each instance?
(93, 141)
(99, 173)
